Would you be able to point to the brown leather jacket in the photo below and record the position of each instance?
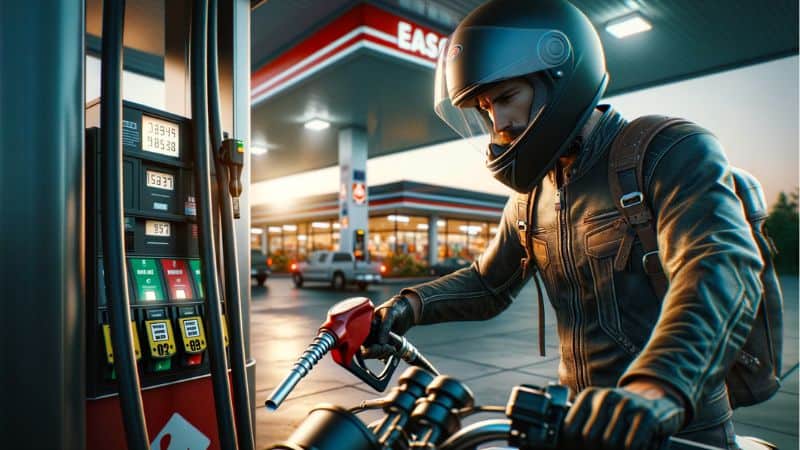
(611, 326)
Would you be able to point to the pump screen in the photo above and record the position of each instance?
(158, 330)
(160, 180)
(156, 228)
(160, 136)
(191, 328)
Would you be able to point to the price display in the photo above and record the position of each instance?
(160, 136)
(157, 228)
(160, 180)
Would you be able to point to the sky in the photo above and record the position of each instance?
(752, 110)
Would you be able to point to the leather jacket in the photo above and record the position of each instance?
(611, 326)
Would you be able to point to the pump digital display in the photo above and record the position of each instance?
(160, 136)
(159, 331)
(157, 228)
(190, 328)
(160, 180)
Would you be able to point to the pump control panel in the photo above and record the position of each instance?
(161, 244)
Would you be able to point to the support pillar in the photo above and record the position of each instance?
(433, 240)
(353, 202)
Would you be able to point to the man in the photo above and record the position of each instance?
(529, 75)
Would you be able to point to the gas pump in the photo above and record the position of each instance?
(360, 244)
(151, 238)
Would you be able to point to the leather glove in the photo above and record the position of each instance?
(395, 315)
(605, 418)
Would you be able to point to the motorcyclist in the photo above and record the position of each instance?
(529, 75)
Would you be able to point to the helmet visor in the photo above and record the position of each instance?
(475, 59)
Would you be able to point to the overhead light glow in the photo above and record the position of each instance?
(258, 149)
(275, 229)
(256, 231)
(493, 230)
(440, 223)
(290, 227)
(471, 229)
(401, 219)
(324, 225)
(317, 124)
(628, 26)
(422, 226)
(336, 225)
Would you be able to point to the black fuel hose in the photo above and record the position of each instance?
(202, 177)
(112, 226)
(241, 391)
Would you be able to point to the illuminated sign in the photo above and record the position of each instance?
(365, 27)
(417, 40)
(359, 193)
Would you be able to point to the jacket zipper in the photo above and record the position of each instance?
(574, 302)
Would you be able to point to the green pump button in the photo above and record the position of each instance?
(162, 365)
(198, 278)
(147, 278)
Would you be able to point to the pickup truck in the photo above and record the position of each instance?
(337, 268)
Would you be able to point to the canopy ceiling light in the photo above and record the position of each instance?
(256, 149)
(317, 124)
(628, 25)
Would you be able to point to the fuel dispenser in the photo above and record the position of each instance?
(154, 247)
(123, 325)
(162, 252)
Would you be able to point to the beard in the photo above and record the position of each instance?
(508, 135)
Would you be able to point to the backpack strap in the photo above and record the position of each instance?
(626, 180)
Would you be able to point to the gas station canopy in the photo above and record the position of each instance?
(370, 65)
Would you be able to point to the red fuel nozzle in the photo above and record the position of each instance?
(349, 320)
(344, 331)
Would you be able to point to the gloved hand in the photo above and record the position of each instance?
(604, 418)
(395, 315)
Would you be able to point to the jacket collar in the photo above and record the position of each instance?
(597, 143)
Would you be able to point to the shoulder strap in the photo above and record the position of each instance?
(626, 180)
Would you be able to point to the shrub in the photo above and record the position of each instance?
(783, 227)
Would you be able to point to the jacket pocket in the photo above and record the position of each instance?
(541, 253)
(603, 244)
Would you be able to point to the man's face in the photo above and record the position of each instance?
(508, 105)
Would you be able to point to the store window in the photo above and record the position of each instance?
(398, 234)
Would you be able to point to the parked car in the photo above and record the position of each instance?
(448, 265)
(259, 267)
(337, 268)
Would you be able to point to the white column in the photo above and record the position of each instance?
(265, 240)
(353, 201)
(433, 238)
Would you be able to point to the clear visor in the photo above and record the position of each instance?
(467, 67)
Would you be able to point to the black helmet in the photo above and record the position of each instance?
(549, 43)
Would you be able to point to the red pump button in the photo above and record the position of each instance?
(177, 276)
(194, 360)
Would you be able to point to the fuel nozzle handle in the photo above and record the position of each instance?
(232, 156)
(345, 329)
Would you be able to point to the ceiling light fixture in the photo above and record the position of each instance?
(256, 149)
(317, 124)
(628, 25)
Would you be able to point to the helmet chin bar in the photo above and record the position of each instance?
(507, 167)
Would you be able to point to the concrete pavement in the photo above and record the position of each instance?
(490, 357)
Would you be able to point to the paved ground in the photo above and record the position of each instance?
(491, 357)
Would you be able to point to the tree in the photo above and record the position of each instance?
(783, 226)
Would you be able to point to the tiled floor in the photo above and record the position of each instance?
(490, 357)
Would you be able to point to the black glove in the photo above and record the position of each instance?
(604, 418)
(395, 315)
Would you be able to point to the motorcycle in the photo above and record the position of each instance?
(426, 409)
